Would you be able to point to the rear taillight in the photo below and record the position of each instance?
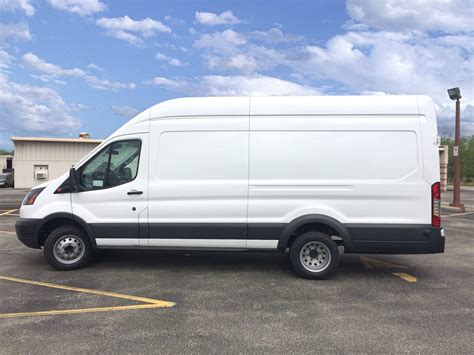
(436, 205)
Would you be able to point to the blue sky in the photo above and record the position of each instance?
(68, 66)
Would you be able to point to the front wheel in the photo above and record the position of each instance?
(67, 248)
(314, 255)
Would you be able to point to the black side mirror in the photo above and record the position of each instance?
(73, 180)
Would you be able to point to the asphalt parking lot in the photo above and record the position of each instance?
(198, 302)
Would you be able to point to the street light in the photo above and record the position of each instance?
(455, 94)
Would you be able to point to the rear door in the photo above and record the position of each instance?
(114, 196)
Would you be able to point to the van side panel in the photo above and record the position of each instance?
(198, 182)
(355, 169)
(365, 171)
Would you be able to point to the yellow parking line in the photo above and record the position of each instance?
(149, 302)
(370, 264)
(406, 277)
(78, 311)
(456, 214)
(8, 212)
(86, 290)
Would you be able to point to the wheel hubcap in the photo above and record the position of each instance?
(68, 249)
(315, 256)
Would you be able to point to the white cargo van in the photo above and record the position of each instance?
(315, 175)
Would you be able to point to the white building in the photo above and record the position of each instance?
(41, 159)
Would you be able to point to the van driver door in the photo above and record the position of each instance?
(113, 196)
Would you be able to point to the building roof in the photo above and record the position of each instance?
(57, 140)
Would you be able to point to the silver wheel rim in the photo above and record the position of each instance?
(68, 249)
(315, 256)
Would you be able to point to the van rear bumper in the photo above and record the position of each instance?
(395, 239)
(25, 231)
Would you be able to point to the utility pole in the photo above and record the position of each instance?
(455, 94)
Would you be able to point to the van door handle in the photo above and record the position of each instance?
(134, 192)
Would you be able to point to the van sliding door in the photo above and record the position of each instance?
(198, 182)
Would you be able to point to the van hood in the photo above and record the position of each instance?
(54, 182)
(44, 184)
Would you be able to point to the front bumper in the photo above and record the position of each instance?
(26, 232)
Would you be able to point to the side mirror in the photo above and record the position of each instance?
(73, 180)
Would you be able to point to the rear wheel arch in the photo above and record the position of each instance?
(57, 220)
(314, 222)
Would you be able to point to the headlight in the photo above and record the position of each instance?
(31, 196)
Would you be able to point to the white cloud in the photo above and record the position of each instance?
(104, 84)
(34, 110)
(13, 5)
(212, 19)
(95, 67)
(32, 61)
(174, 20)
(125, 111)
(390, 62)
(79, 7)
(218, 85)
(222, 41)
(5, 59)
(234, 51)
(240, 62)
(45, 78)
(130, 30)
(175, 62)
(275, 35)
(166, 83)
(424, 15)
(14, 31)
(257, 85)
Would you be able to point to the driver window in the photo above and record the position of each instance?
(115, 165)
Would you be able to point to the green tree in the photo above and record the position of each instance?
(467, 158)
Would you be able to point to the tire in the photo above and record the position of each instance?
(67, 248)
(314, 255)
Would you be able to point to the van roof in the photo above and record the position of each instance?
(285, 105)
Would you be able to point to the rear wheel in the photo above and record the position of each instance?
(314, 255)
(67, 248)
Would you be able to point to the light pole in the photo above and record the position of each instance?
(455, 94)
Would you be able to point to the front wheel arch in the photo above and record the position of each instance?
(55, 220)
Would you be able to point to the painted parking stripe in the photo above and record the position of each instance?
(405, 276)
(371, 264)
(8, 212)
(148, 302)
(78, 311)
(456, 214)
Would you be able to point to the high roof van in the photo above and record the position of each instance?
(314, 176)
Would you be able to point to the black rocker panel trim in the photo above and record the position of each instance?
(358, 238)
(189, 230)
(116, 230)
